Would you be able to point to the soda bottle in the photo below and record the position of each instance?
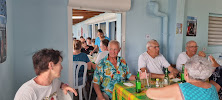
(182, 74)
(138, 83)
(166, 80)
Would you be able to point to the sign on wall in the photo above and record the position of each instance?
(3, 44)
(191, 26)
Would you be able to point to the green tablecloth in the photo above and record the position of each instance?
(122, 92)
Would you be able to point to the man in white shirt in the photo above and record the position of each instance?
(154, 62)
(45, 86)
(104, 48)
(191, 50)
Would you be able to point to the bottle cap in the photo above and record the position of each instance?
(157, 79)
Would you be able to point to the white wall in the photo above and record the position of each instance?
(76, 29)
(6, 68)
(201, 11)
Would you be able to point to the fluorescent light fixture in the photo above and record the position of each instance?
(77, 17)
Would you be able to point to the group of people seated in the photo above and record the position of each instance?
(197, 70)
(111, 69)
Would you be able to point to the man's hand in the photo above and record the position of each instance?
(214, 62)
(91, 53)
(67, 88)
(172, 75)
(201, 53)
(143, 75)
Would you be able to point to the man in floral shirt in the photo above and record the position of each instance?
(111, 70)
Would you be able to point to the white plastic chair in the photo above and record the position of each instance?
(75, 78)
(90, 92)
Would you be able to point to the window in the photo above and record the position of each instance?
(215, 29)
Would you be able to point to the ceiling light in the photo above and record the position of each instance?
(77, 17)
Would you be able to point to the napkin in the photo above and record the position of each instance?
(128, 84)
(176, 79)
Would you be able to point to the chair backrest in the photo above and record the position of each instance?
(76, 69)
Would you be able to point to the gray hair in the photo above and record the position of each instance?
(148, 44)
(114, 42)
(199, 68)
(188, 43)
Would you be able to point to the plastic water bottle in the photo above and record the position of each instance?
(157, 83)
(219, 60)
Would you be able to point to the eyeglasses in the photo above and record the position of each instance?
(83, 42)
(155, 47)
(193, 46)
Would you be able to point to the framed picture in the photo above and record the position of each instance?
(3, 18)
(191, 26)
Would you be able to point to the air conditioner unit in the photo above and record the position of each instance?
(101, 5)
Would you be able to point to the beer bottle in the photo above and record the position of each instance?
(166, 80)
(138, 83)
(182, 74)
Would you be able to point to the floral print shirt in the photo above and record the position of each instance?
(106, 75)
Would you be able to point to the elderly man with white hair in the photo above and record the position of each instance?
(197, 71)
(191, 50)
(154, 62)
(111, 70)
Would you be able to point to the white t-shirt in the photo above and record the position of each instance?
(101, 56)
(33, 91)
(153, 65)
(182, 59)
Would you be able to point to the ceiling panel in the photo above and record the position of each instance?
(87, 14)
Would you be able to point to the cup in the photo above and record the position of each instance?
(143, 83)
(122, 79)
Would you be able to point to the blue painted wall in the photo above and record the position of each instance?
(6, 68)
(201, 11)
(38, 24)
(140, 23)
(174, 44)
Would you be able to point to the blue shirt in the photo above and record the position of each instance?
(191, 92)
(97, 42)
(106, 75)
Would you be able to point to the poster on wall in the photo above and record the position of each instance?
(191, 26)
(179, 28)
(3, 19)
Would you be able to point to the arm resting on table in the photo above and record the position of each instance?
(153, 75)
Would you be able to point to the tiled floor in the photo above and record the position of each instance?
(93, 97)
